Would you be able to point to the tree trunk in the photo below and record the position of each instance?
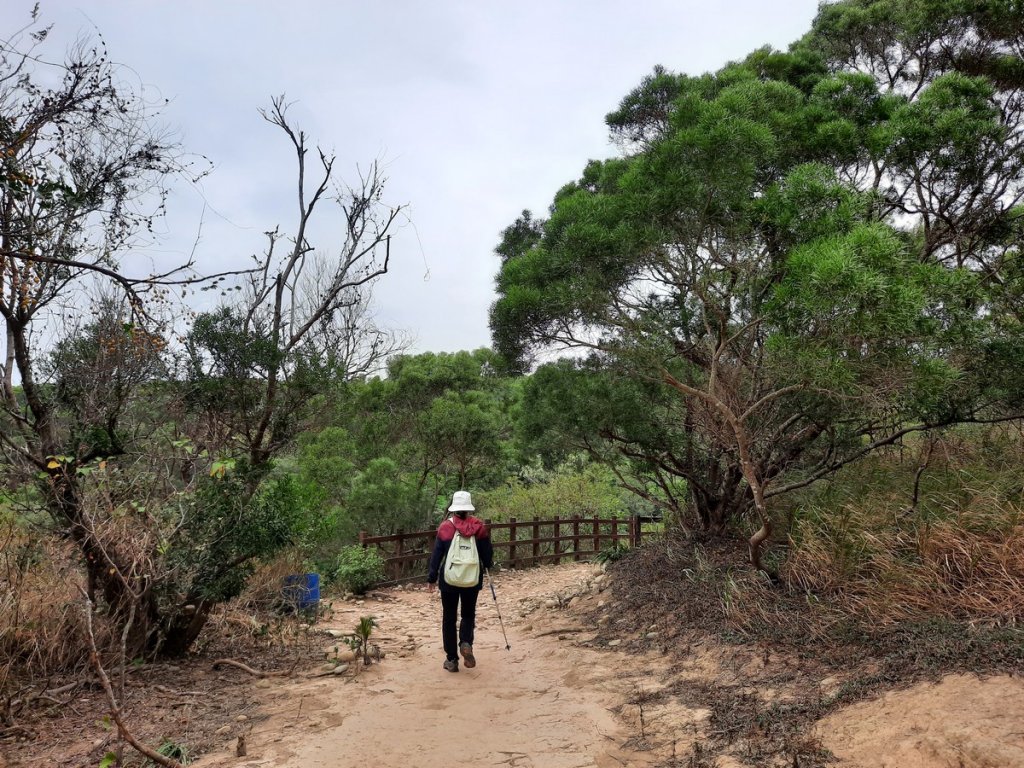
(755, 542)
(752, 475)
(109, 571)
(184, 629)
(729, 499)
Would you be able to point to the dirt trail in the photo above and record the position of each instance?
(571, 694)
(543, 703)
(960, 722)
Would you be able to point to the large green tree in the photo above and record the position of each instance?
(812, 252)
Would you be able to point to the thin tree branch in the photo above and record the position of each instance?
(115, 708)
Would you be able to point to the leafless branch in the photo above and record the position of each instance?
(115, 708)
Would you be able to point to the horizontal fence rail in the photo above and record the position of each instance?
(517, 543)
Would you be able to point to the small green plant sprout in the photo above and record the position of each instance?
(175, 751)
(363, 631)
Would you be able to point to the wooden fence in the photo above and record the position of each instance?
(517, 543)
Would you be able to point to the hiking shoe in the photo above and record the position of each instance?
(467, 655)
(452, 665)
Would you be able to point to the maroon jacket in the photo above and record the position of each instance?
(470, 526)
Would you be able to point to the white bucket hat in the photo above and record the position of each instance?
(462, 502)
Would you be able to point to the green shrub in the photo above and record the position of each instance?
(359, 568)
(612, 553)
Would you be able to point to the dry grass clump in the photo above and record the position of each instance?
(41, 622)
(967, 566)
(262, 619)
(264, 589)
(932, 532)
(957, 554)
(40, 610)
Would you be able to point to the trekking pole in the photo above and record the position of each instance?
(500, 622)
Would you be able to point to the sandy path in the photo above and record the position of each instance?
(557, 701)
(960, 722)
(542, 703)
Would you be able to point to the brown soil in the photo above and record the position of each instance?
(584, 684)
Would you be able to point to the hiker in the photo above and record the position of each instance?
(474, 543)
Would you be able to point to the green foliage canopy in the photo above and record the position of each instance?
(806, 250)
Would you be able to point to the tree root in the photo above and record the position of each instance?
(246, 668)
(563, 631)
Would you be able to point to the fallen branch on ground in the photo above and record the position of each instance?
(257, 672)
(171, 692)
(15, 730)
(46, 695)
(244, 667)
(327, 673)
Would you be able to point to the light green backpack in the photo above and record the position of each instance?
(462, 565)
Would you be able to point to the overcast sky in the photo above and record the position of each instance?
(477, 109)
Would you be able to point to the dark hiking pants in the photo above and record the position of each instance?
(450, 599)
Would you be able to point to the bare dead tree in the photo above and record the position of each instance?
(84, 168)
(308, 307)
(301, 323)
(84, 173)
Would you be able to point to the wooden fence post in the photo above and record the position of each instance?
(597, 534)
(536, 544)
(556, 526)
(400, 565)
(615, 532)
(362, 539)
(637, 530)
(576, 538)
(511, 542)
